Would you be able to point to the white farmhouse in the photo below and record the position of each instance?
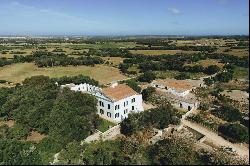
(114, 102)
(178, 88)
(178, 92)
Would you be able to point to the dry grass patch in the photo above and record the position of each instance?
(161, 52)
(114, 60)
(35, 136)
(235, 52)
(207, 62)
(9, 123)
(16, 73)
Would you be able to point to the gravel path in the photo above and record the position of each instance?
(217, 140)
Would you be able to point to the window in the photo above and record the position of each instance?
(116, 115)
(133, 107)
(108, 106)
(109, 114)
(125, 111)
(101, 111)
(117, 107)
(127, 102)
(124, 104)
(181, 105)
(133, 100)
(101, 103)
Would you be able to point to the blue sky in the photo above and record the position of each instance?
(124, 17)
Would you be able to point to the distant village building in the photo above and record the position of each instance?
(178, 92)
(114, 102)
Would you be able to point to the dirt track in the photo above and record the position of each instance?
(216, 139)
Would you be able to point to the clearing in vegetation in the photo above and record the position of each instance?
(161, 52)
(18, 72)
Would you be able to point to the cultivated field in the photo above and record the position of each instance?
(18, 72)
(235, 52)
(207, 62)
(161, 52)
(115, 61)
(241, 73)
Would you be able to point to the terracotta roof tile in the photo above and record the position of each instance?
(119, 92)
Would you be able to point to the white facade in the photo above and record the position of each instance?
(174, 91)
(180, 98)
(108, 108)
(119, 110)
(188, 106)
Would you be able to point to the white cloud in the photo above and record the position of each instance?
(46, 11)
(174, 11)
(54, 14)
(59, 14)
(15, 3)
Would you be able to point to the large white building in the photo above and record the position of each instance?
(114, 102)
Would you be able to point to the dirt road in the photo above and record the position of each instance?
(216, 139)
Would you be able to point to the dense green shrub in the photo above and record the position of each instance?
(235, 131)
(159, 118)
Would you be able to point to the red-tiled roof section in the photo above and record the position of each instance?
(119, 92)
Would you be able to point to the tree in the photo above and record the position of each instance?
(132, 84)
(13, 152)
(71, 154)
(79, 79)
(130, 125)
(160, 118)
(4, 93)
(101, 153)
(183, 76)
(235, 131)
(173, 151)
(212, 69)
(224, 76)
(208, 81)
(147, 77)
(30, 104)
(220, 157)
(228, 113)
(73, 116)
(146, 93)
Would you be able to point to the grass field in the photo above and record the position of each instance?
(241, 73)
(18, 72)
(114, 60)
(95, 46)
(235, 52)
(173, 74)
(104, 126)
(161, 52)
(207, 62)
